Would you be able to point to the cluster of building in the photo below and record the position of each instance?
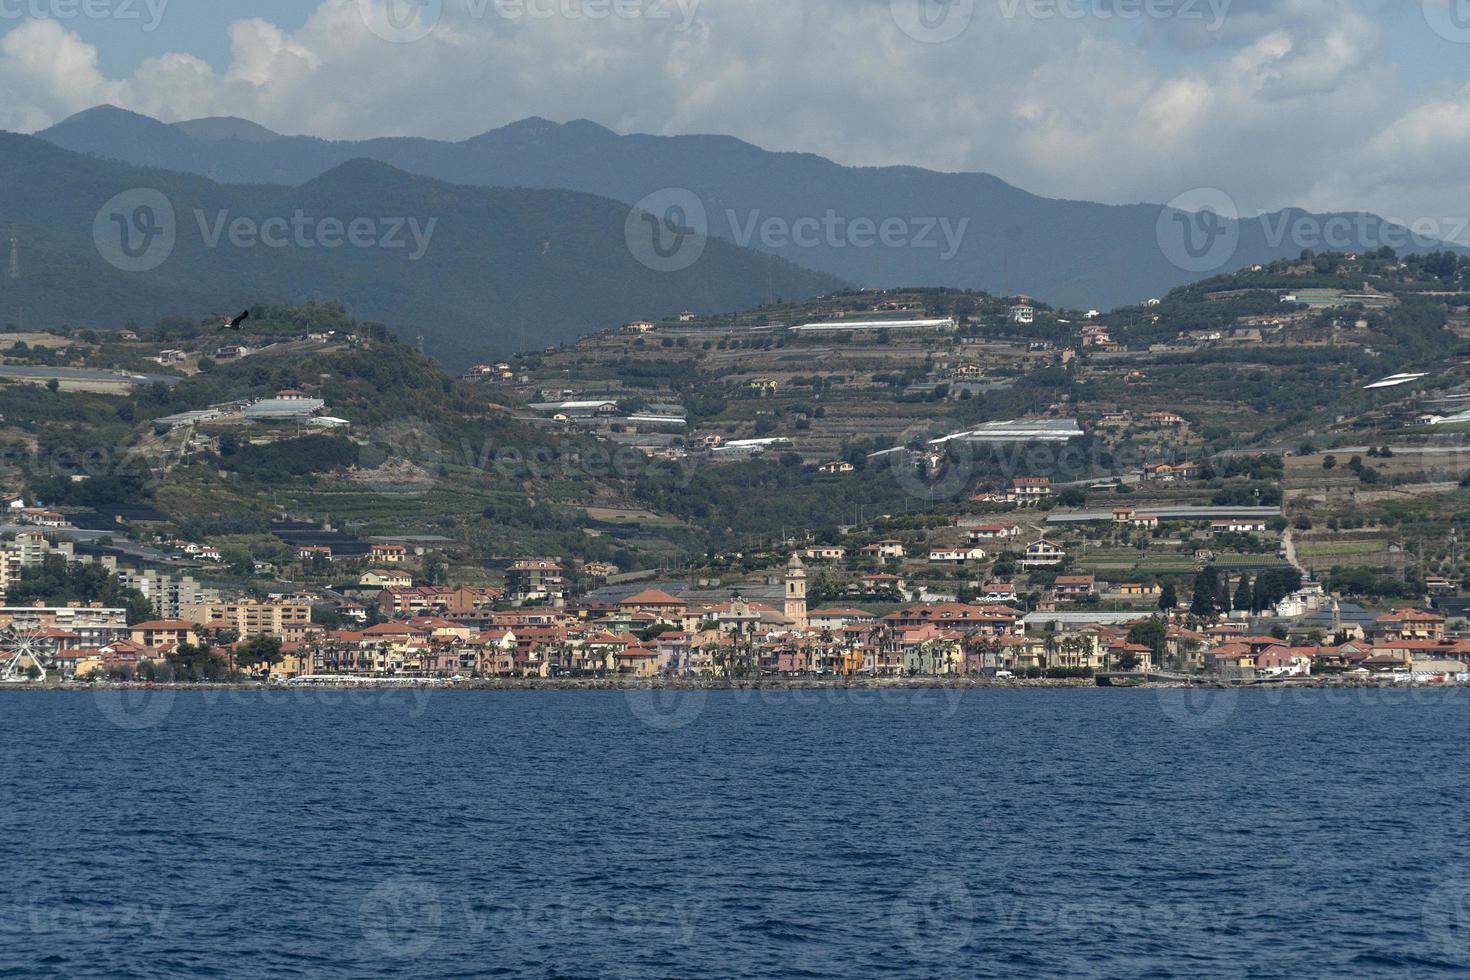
(464, 632)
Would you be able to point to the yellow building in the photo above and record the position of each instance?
(636, 662)
(249, 618)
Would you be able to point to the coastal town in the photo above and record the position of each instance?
(675, 489)
(922, 483)
(534, 627)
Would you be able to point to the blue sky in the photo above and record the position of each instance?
(197, 26)
(1319, 103)
(201, 27)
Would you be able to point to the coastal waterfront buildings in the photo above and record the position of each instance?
(534, 629)
(247, 618)
(170, 595)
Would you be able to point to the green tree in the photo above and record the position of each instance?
(56, 581)
(1244, 594)
(1168, 596)
(261, 650)
(1206, 585)
(1151, 633)
(197, 663)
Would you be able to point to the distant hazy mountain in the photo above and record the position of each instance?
(499, 269)
(964, 230)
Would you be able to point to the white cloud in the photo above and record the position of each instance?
(1062, 105)
(46, 72)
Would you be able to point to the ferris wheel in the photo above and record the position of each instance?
(23, 647)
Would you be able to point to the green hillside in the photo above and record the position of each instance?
(474, 272)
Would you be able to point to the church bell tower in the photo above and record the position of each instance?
(796, 592)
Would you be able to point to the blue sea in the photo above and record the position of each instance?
(1021, 833)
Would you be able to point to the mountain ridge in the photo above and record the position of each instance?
(1071, 253)
(477, 272)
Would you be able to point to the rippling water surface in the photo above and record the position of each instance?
(769, 834)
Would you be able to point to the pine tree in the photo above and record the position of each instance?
(1222, 596)
(1168, 596)
(1205, 582)
(1244, 594)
